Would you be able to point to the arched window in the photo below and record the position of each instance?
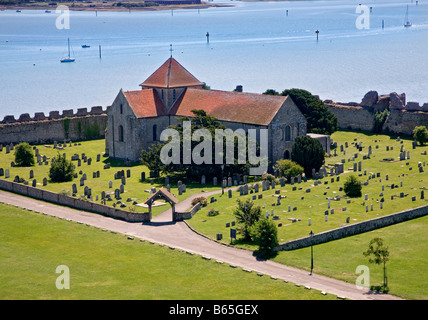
(120, 133)
(121, 108)
(162, 94)
(154, 132)
(287, 154)
(287, 133)
(173, 94)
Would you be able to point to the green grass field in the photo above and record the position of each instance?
(104, 265)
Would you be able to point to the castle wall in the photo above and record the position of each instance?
(403, 117)
(41, 129)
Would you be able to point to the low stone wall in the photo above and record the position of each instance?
(180, 216)
(354, 229)
(72, 202)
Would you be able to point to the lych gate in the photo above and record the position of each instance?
(162, 194)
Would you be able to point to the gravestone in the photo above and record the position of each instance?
(128, 173)
(110, 184)
(1, 172)
(34, 183)
(6, 173)
(215, 181)
(203, 180)
(31, 174)
(230, 193)
(143, 176)
(98, 157)
(45, 181)
(74, 188)
(82, 181)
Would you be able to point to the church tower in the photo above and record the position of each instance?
(170, 80)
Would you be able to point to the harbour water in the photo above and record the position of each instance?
(255, 44)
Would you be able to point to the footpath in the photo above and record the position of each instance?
(178, 235)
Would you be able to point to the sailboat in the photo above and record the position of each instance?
(407, 23)
(68, 59)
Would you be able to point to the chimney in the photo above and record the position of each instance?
(238, 88)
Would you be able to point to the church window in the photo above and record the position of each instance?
(154, 132)
(173, 94)
(287, 133)
(162, 94)
(121, 108)
(121, 133)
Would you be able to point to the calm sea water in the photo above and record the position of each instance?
(254, 44)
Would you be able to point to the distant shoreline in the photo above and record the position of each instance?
(110, 8)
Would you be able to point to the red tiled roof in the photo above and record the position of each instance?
(145, 103)
(249, 108)
(171, 75)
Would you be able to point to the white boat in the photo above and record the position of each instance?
(407, 23)
(69, 59)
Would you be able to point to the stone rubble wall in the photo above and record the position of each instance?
(72, 202)
(403, 118)
(47, 129)
(354, 229)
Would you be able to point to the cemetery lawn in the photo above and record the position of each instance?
(312, 205)
(135, 189)
(104, 265)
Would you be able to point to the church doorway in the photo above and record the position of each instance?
(287, 154)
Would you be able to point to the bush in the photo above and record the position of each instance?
(420, 134)
(61, 169)
(308, 153)
(202, 200)
(288, 168)
(265, 234)
(268, 176)
(24, 155)
(379, 120)
(212, 213)
(352, 187)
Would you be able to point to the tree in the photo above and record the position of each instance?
(319, 118)
(288, 168)
(246, 215)
(265, 234)
(61, 169)
(271, 92)
(308, 153)
(380, 255)
(24, 155)
(352, 187)
(420, 134)
(151, 158)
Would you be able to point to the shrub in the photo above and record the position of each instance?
(246, 215)
(61, 169)
(24, 155)
(265, 234)
(379, 120)
(420, 134)
(288, 168)
(212, 213)
(202, 200)
(308, 153)
(268, 176)
(352, 186)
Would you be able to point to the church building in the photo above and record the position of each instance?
(137, 118)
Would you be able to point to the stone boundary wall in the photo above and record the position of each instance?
(38, 130)
(54, 115)
(354, 229)
(180, 216)
(72, 202)
(403, 118)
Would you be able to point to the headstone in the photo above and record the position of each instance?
(122, 188)
(215, 181)
(82, 181)
(31, 174)
(256, 187)
(45, 181)
(1, 172)
(6, 173)
(98, 157)
(230, 193)
(309, 221)
(74, 188)
(203, 179)
(422, 194)
(110, 184)
(34, 183)
(128, 173)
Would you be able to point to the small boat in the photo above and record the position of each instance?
(69, 59)
(85, 46)
(47, 11)
(407, 23)
(18, 10)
